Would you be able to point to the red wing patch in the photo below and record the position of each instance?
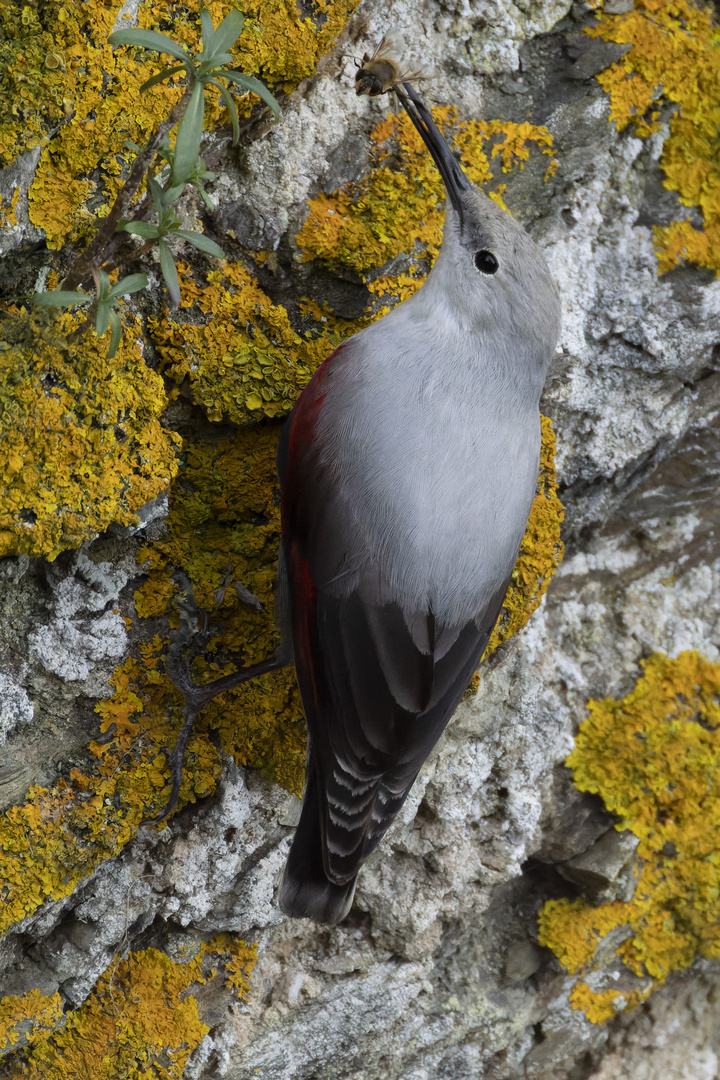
(304, 617)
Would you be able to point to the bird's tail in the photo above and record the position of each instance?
(305, 892)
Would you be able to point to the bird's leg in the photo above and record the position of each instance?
(185, 644)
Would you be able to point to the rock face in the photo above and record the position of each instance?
(437, 971)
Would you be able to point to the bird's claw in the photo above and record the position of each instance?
(185, 644)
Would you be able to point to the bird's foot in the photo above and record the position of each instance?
(185, 644)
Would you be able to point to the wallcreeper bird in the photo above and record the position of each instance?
(408, 468)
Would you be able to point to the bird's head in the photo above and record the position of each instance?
(489, 271)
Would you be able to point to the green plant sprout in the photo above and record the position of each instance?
(198, 177)
(184, 167)
(203, 69)
(168, 224)
(106, 317)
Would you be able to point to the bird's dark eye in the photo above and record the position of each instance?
(486, 262)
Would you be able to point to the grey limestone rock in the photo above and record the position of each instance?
(84, 637)
(15, 707)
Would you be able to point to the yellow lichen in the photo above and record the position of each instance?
(8, 217)
(283, 47)
(601, 1005)
(62, 833)
(29, 1016)
(541, 549)
(674, 58)
(92, 96)
(654, 758)
(242, 358)
(139, 1021)
(81, 444)
(224, 512)
(396, 208)
(64, 80)
(238, 959)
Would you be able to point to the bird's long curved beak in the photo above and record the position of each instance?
(455, 180)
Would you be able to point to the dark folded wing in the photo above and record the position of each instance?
(375, 705)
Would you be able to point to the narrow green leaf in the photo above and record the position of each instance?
(248, 83)
(208, 30)
(228, 32)
(169, 272)
(139, 228)
(115, 334)
(187, 143)
(103, 288)
(102, 320)
(149, 39)
(60, 298)
(204, 173)
(230, 105)
(131, 284)
(205, 197)
(210, 65)
(201, 242)
(166, 73)
(167, 220)
(173, 194)
(156, 193)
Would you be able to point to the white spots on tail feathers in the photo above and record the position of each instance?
(359, 788)
(349, 826)
(349, 811)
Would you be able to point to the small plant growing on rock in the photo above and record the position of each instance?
(104, 302)
(184, 166)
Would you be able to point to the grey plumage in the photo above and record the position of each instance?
(408, 470)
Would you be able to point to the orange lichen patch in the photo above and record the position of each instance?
(541, 549)
(81, 444)
(32, 92)
(238, 350)
(278, 44)
(394, 289)
(397, 208)
(93, 95)
(674, 58)
(28, 1017)
(364, 225)
(601, 1005)
(139, 1021)
(472, 687)
(224, 513)
(584, 928)
(8, 218)
(238, 959)
(62, 833)
(517, 140)
(281, 46)
(654, 758)
(64, 80)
